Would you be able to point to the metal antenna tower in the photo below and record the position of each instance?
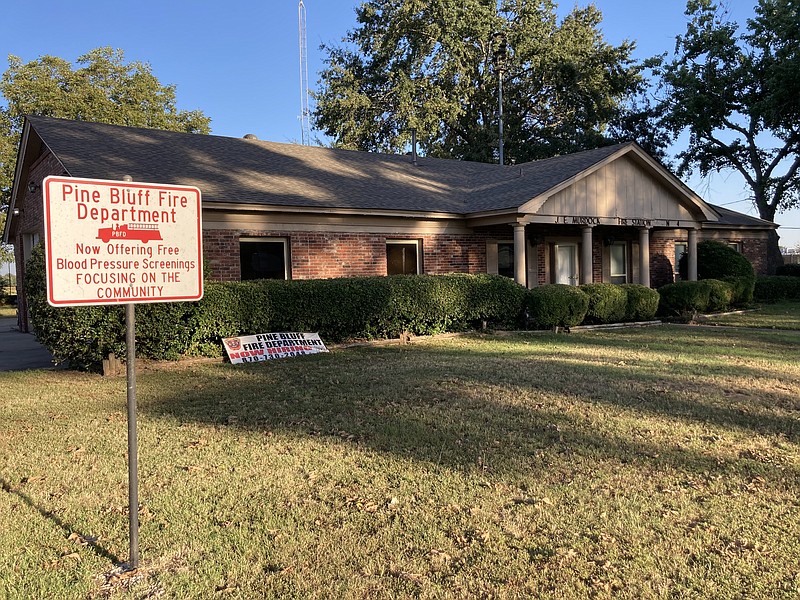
(305, 127)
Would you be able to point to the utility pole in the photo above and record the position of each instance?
(499, 55)
(305, 128)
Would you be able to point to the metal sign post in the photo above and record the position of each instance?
(133, 443)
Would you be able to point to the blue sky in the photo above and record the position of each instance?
(238, 61)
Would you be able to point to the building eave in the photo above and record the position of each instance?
(247, 207)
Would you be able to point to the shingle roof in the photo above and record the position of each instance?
(234, 170)
(728, 218)
(515, 185)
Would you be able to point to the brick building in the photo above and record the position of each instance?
(272, 210)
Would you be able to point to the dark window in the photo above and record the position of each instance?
(618, 252)
(401, 258)
(505, 260)
(263, 259)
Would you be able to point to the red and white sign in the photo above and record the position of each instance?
(266, 346)
(115, 242)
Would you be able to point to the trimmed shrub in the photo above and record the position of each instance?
(642, 302)
(720, 294)
(226, 310)
(777, 287)
(716, 260)
(792, 270)
(742, 288)
(683, 299)
(83, 335)
(556, 305)
(425, 305)
(495, 299)
(608, 303)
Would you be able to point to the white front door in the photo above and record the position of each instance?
(567, 264)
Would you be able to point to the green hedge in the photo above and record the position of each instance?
(350, 308)
(716, 260)
(720, 294)
(608, 303)
(790, 270)
(777, 287)
(683, 299)
(556, 305)
(339, 309)
(84, 336)
(742, 289)
(642, 302)
(719, 262)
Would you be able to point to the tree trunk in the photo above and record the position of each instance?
(774, 256)
(766, 211)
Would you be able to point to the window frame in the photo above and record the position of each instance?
(504, 243)
(676, 266)
(625, 262)
(287, 275)
(417, 243)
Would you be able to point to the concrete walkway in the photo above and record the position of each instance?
(20, 351)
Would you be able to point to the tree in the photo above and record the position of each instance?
(103, 88)
(435, 67)
(738, 96)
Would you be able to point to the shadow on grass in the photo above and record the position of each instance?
(478, 409)
(66, 527)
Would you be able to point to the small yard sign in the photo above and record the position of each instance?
(266, 346)
(114, 242)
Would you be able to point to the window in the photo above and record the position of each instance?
(29, 242)
(264, 258)
(618, 255)
(505, 259)
(403, 257)
(736, 246)
(681, 248)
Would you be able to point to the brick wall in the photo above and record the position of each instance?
(30, 220)
(756, 252)
(662, 258)
(320, 255)
(541, 264)
(597, 260)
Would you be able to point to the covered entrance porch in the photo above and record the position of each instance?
(575, 254)
(619, 220)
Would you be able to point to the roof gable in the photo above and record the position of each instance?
(625, 181)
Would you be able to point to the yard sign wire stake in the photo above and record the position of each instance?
(133, 458)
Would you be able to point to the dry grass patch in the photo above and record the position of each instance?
(647, 463)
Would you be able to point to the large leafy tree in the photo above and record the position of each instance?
(737, 94)
(434, 66)
(101, 87)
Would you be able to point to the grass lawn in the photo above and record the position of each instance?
(660, 462)
(8, 311)
(781, 315)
